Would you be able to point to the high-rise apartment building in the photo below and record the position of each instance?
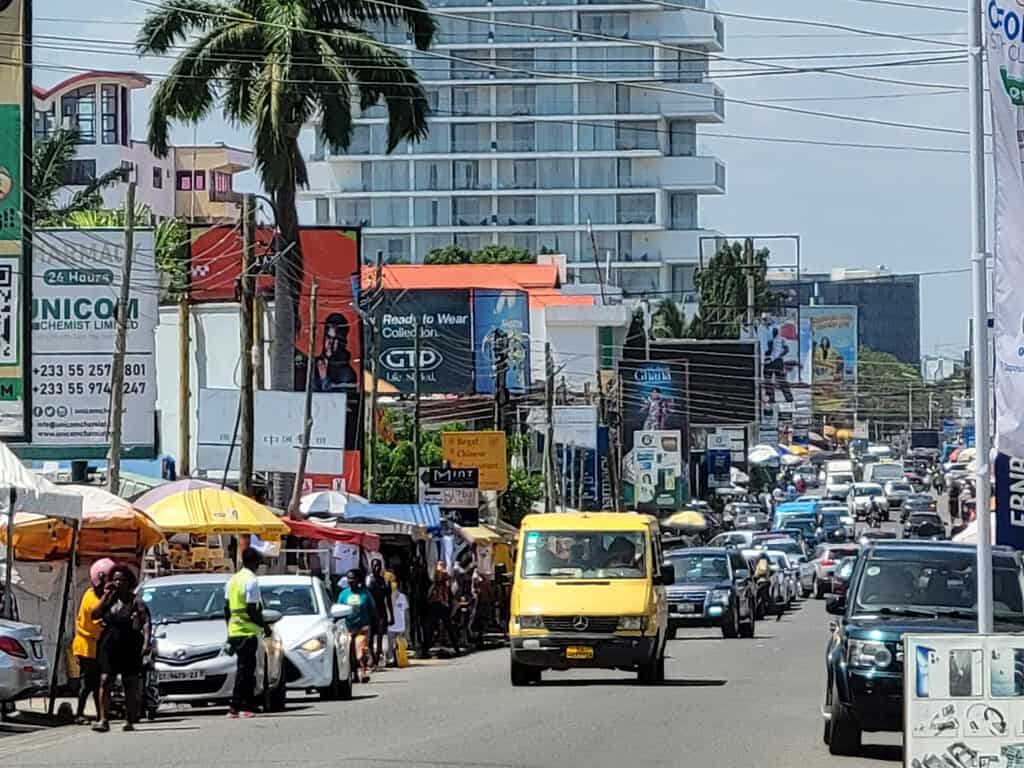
(557, 127)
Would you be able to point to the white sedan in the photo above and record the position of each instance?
(313, 632)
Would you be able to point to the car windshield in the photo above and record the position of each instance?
(195, 601)
(789, 547)
(779, 559)
(918, 519)
(901, 487)
(585, 554)
(289, 599)
(935, 580)
(699, 567)
(867, 490)
(841, 479)
(839, 553)
(804, 526)
(833, 518)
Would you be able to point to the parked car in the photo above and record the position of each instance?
(859, 499)
(896, 491)
(817, 574)
(732, 539)
(900, 587)
(190, 633)
(925, 525)
(24, 671)
(712, 588)
(313, 631)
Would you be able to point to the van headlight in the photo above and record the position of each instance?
(530, 622)
(314, 644)
(632, 623)
(869, 654)
(720, 595)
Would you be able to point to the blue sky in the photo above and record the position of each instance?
(851, 206)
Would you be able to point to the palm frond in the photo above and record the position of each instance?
(174, 20)
(413, 14)
(51, 159)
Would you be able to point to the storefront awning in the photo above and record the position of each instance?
(305, 529)
(424, 515)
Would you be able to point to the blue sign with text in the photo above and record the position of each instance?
(495, 313)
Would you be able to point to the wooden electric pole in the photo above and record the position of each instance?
(549, 434)
(245, 403)
(376, 316)
(416, 405)
(307, 420)
(120, 345)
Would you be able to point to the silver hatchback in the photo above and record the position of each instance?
(191, 634)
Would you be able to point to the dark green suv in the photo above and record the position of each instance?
(899, 587)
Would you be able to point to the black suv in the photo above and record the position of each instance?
(712, 588)
(899, 587)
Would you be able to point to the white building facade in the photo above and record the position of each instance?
(557, 127)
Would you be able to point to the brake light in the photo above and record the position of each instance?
(12, 647)
(828, 561)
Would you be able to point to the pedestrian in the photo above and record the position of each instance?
(398, 627)
(122, 642)
(87, 637)
(439, 610)
(379, 587)
(243, 612)
(360, 621)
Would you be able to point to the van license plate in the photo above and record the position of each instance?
(579, 652)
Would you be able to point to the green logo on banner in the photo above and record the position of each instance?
(10, 173)
(1014, 87)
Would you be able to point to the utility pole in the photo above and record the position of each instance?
(245, 406)
(748, 257)
(185, 367)
(307, 416)
(910, 408)
(500, 378)
(371, 421)
(120, 345)
(549, 434)
(416, 404)
(258, 342)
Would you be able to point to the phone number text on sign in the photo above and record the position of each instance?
(71, 400)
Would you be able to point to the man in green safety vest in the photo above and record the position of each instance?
(243, 611)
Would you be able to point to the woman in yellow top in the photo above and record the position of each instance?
(87, 635)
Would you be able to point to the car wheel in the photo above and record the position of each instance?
(805, 591)
(819, 589)
(647, 673)
(521, 674)
(279, 696)
(747, 628)
(730, 625)
(673, 632)
(332, 691)
(844, 733)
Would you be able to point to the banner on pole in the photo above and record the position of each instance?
(1004, 27)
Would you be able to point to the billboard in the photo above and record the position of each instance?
(505, 312)
(332, 256)
(581, 449)
(15, 168)
(721, 378)
(652, 473)
(833, 357)
(446, 341)
(1009, 490)
(278, 430)
(654, 397)
(76, 284)
(572, 424)
(483, 450)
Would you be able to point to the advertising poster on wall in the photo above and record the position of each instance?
(507, 314)
(446, 341)
(13, 262)
(963, 700)
(332, 255)
(76, 283)
(833, 357)
(652, 473)
(654, 397)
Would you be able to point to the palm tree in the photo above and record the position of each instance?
(274, 65)
(668, 321)
(51, 164)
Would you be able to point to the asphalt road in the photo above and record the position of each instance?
(725, 703)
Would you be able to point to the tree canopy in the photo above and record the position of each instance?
(722, 285)
(51, 172)
(490, 254)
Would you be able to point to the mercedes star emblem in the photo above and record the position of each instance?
(580, 623)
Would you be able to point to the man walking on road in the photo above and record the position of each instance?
(243, 611)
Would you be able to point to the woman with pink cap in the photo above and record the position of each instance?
(87, 635)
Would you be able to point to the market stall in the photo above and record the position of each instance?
(161, 492)
(328, 550)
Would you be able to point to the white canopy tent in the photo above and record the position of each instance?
(25, 491)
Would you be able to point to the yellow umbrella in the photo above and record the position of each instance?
(799, 450)
(688, 518)
(212, 511)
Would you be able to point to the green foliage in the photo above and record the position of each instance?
(668, 321)
(883, 387)
(523, 490)
(51, 165)
(491, 254)
(723, 292)
(171, 242)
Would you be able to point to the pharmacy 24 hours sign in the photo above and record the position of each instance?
(76, 284)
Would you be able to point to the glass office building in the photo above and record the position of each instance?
(557, 127)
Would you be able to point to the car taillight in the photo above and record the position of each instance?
(827, 561)
(12, 647)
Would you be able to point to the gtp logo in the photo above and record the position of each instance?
(1008, 20)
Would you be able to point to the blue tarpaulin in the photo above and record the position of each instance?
(426, 515)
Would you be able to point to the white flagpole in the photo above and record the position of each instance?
(979, 361)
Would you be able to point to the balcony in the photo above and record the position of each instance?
(680, 246)
(701, 102)
(693, 174)
(694, 28)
